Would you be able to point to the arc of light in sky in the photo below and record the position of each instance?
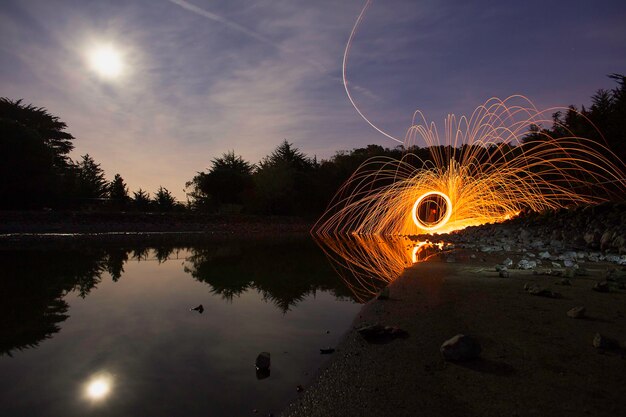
(346, 53)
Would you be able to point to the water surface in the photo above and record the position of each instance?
(105, 331)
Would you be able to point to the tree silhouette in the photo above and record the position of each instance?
(90, 181)
(118, 192)
(34, 162)
(227, 182)
(141, 200)
(284, 181)
(48, 128)
(164, 200)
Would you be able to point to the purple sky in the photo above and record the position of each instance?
(202, 77)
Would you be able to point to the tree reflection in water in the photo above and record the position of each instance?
(35, 282)
(283, 272)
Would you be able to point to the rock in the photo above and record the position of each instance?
(500, 268)
(327, 351)
(569, 263)
(577, 312)
(605, 240)
(377, 333)
(556, 265)
(544, 255)
(488, 249)
(592, 238)
(507, 262)
(460, 348)
(556, 244)
(524, 235)
(503, 273)
(263, 361)
(594, 257)
(541, 292)
(602, 286)
(612, 258)
(526, 264)
(604, 343)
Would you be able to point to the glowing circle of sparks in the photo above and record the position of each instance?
(429, 227)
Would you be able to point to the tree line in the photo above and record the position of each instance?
(36, 170)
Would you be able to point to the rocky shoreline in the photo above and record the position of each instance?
(544, 297)
(597, 229)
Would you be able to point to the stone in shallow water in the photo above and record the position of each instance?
(263, 361)
(460, 348)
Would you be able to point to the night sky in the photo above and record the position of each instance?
(201, 77)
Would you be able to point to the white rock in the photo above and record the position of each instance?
(526, 264)
(612, 258)
(569, 263)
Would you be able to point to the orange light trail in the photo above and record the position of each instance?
(485, 174)
(485, 170)
(368, 263)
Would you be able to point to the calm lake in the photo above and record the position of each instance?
(110, 330)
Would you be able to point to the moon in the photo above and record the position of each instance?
(106, 61)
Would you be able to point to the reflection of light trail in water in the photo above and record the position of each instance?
(485, 172)
(368, 263)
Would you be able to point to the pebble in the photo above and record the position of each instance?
(601, 286)
(577, 312)
(460, 348)
(604, 343)
(541, 292)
